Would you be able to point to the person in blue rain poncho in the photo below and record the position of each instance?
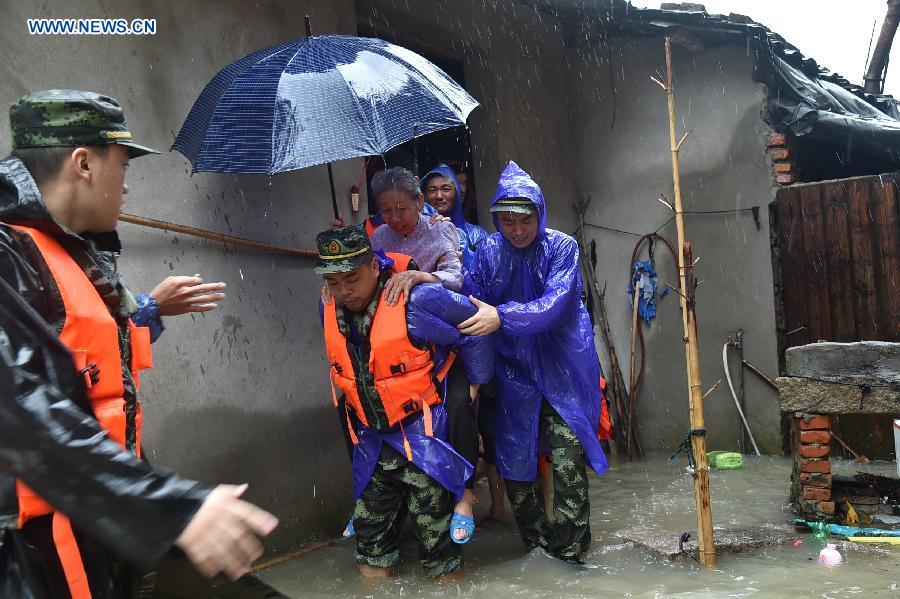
(390, 362)
(525, 281)
(443, 192)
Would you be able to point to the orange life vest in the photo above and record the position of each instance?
(404, 377)
(604, 430)
(91, 334)
(371, 227)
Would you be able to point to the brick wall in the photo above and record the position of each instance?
(782, 152)
(811, 480)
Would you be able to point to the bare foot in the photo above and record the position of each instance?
(498, 495)
(450, 576)
(373, 572)
(464, 507)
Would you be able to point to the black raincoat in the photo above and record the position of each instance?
(120, 507)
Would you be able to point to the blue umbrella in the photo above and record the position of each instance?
(316, 100)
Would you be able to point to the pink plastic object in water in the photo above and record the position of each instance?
(830, 556)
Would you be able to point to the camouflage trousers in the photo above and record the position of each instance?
(397, 487)
(569, 535)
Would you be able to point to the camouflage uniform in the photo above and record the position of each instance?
(569, 536)
(395, 487)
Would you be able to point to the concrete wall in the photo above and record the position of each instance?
(240, 394)
(515, 66)
(622, 145)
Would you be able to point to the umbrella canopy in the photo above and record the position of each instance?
(316, 100)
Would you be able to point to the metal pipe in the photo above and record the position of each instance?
(742, 396)
(874, 80)
(760, 374)
(734, 395)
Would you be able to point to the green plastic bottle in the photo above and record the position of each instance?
(820, 530)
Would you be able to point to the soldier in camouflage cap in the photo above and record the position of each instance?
(69, 118)
(61, 194)
(342, 249)
(384, 360)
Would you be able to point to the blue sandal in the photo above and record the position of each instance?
(349, 531)
(461, 522)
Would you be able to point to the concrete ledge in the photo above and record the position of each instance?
(664, 544)
(817, 397)
(849, 362)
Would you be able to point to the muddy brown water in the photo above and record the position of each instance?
(651, 494)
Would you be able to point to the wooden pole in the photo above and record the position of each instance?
(292, 555)
(688, 285)
(616, 381)
(203, 233)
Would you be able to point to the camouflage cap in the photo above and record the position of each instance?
(342, 250)
(69, 118)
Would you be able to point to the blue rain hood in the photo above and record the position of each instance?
(469, 235)
(516, 183)
(544, 348)
(442, 170)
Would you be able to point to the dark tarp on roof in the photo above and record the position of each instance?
(805, 99)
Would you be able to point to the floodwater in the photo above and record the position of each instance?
(650, 494)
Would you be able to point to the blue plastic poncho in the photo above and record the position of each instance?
(469, 235)
(432, 315)
(544, 347)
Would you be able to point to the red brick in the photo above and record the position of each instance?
(814, 423)
(816, 493)
(779, 154)
(814, 465)
(826, 507)
(784, 167)
(815, 437)
(777, 140)
(815, 479)
(788, 179)
(814, 451)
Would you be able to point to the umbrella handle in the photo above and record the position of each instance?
(415, 134)
(333, 196)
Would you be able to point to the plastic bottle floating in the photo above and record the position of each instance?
(830, 555)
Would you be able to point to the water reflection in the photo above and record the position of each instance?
(650, 494)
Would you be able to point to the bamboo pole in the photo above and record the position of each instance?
(203, 233)
(688, 285)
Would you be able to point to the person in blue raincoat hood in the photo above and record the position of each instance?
(525, 281)
(444, 193)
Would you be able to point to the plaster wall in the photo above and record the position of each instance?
(239, 394)
(622, 148)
